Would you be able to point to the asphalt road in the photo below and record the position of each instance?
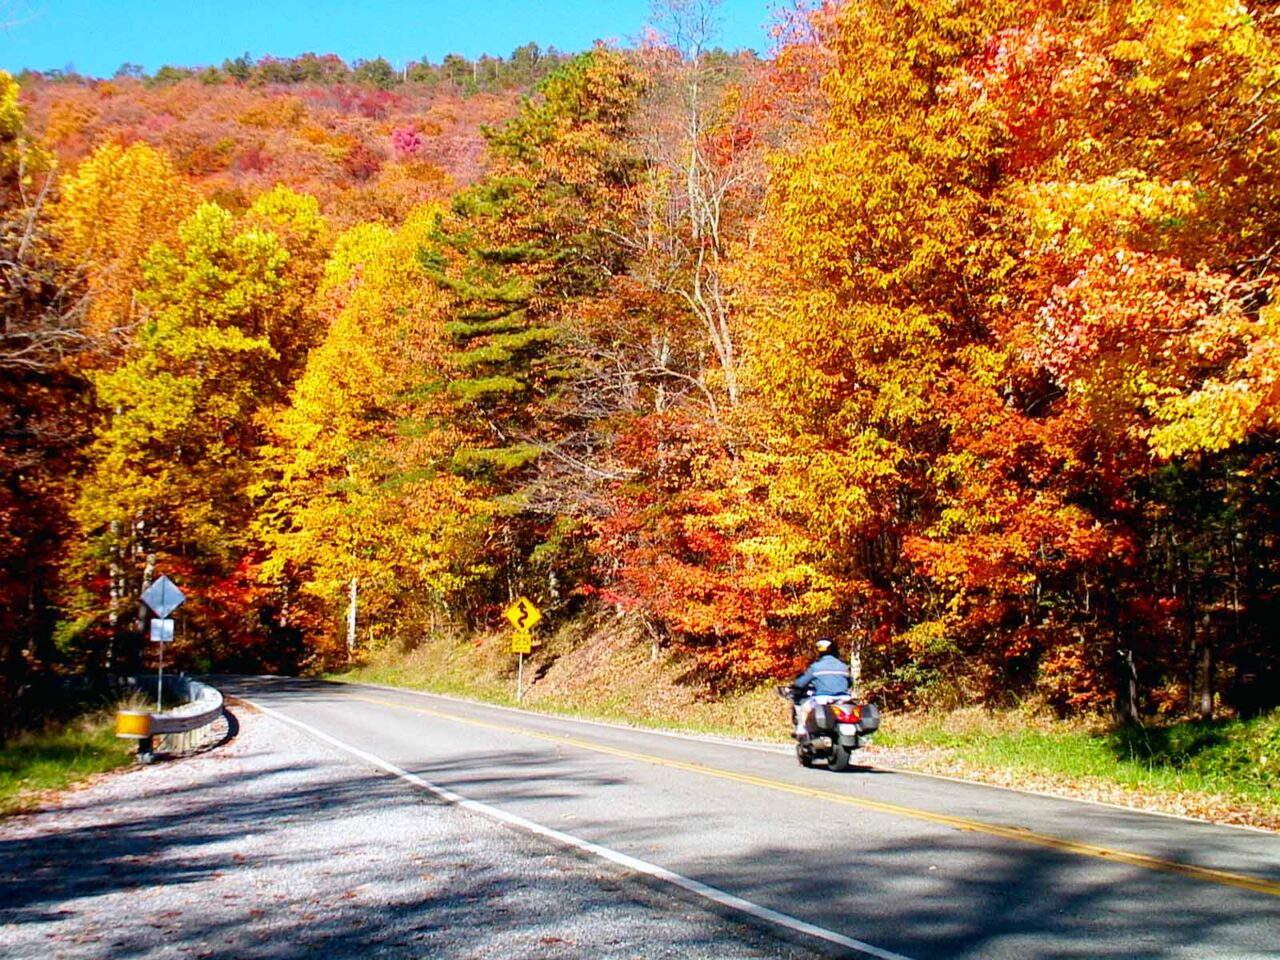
(275, 845)
(867, 863)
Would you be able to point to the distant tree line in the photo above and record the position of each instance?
(525, 66)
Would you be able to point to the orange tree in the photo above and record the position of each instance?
(43, 420)
(1138, 146)
(1024, 315)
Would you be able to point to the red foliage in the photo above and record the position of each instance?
(235, 139)
(360, 163)
(407, 142)
(1016, 75)
(672, 547)
(370, 103)
(253, 160)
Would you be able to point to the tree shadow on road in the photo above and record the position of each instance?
(302, 859)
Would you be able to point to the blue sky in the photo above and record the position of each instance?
(97, 36)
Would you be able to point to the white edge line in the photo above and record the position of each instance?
(766, 747)
(713, 894)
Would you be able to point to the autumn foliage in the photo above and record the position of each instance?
(947, 329)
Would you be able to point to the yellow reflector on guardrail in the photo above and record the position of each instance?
(133, 724)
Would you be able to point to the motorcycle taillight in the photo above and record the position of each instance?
(847, 713)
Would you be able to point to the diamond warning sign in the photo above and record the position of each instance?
(523, 614)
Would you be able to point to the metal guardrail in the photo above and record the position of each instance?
(184, 728)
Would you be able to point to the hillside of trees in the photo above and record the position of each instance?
(367, 142)
(946, 329)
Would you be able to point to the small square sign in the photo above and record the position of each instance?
(161, 631)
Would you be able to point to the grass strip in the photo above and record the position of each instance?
(34, 763)
(1228, 758)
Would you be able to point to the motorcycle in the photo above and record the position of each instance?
(832, 730)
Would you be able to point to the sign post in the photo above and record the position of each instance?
(524, 616)
(163, 597)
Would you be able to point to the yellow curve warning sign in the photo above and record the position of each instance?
(524, 616)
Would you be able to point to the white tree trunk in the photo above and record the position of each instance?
(351, 618)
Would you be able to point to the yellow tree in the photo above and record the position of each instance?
(871, 279)
(170, 469)
(357, 494)
(111, 209)
(293, 326)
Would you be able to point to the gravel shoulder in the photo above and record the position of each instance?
(272, 845)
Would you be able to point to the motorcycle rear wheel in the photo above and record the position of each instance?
(840, 758)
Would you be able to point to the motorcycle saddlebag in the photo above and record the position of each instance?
(821, 721)
(870, 721)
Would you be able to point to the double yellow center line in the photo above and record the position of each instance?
(1242, 881)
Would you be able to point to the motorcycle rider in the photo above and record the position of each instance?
(826, 679)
